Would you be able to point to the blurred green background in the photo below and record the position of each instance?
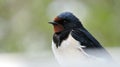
(24, 23)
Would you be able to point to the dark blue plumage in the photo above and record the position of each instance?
(69, 17)
(92, 46)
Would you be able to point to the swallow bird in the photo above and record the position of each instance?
(72, 43)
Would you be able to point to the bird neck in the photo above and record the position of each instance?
(60, 36)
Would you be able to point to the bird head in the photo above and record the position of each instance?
(65, 21)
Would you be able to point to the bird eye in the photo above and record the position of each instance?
(64, 21)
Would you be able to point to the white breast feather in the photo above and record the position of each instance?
(70, 52)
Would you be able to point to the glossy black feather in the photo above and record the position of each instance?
(92, 46)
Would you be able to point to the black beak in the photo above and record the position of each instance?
(54, 23)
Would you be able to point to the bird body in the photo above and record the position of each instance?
(73, 44)
(70, 50)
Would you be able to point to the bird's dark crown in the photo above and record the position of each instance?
(68, 16)
(68, 20)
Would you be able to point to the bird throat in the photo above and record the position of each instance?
(58, 28)
(60, 36)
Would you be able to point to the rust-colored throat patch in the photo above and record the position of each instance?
(58, 28)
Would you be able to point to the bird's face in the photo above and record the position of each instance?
(58, 24)
(65, 21)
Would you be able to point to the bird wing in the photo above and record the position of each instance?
(92, 46)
